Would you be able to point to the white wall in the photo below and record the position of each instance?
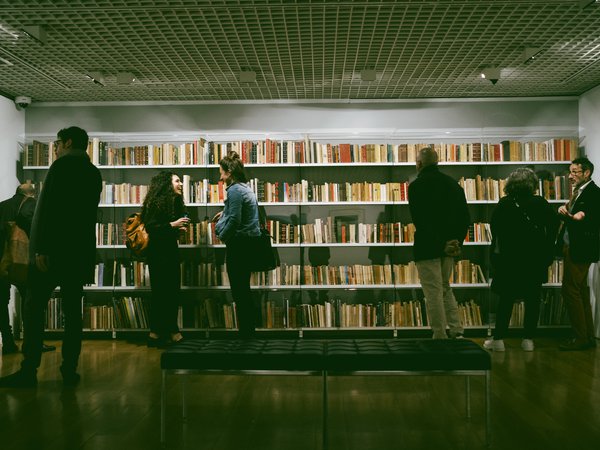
(468, 118)
(589, 133)
(12, 129)
(589, 127)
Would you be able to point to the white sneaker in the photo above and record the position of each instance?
(493, 344)
(527, 345)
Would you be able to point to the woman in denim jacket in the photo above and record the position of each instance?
(236, 225)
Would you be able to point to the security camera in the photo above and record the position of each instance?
(493, 80)
(22, 102)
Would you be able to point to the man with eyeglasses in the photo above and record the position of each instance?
(63, 253)
(579, 239)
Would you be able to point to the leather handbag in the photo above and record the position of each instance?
(136, 236)
(15, 259)
(264, 256)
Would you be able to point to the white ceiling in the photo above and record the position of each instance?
(193, 50)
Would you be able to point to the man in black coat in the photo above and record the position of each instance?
(63, 251)
(19, 208)
(580, 241)
(439, 212)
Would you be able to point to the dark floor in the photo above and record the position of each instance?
(541, 400)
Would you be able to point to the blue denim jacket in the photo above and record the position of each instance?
(240, 216)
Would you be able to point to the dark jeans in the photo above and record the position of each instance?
(532, 314)
(40, 288)
(238, 252)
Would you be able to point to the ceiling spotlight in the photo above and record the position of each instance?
(368, 75)
(530, 54)
(585, 3)
(125, 78)
(36, 32)
(96, 77)
(247, 76)
(492, 74)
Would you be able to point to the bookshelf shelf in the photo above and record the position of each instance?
(377, 171)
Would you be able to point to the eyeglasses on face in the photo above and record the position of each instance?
(57, 142)
(575, 172)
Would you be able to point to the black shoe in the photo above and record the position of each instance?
(9, 347)
(20, 379)
(48, 348)
(153, 342)
(70, 377)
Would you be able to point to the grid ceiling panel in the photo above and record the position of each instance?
(303, 49)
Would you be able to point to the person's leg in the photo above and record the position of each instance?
(532, 314)
(575, 293)
(239, 280)
(450, 305)
(503, 315)
(158, 281)
(430, 276)
(173, 300)
(71, 305)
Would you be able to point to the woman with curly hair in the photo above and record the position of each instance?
(523, 228)
(163, 214)
(237, 225)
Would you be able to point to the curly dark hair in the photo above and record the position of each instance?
(522, 182)
(161, 197)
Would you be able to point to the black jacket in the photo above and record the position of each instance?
(584, 235)
(64, 224)
(10, 212)
(523, 234)
(439, 212)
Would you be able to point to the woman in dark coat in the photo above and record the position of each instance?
(523, 228)
(163, 214)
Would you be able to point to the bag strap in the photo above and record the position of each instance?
(21, 205)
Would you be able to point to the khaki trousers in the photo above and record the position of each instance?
(442, 310)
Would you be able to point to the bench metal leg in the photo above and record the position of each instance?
(325, 412)
(183, 402)
(488, 408)
(163, 407)
(468, 393)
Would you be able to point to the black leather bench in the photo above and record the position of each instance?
(330, 357)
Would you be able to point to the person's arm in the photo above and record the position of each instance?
(25, 215)
(230, 220)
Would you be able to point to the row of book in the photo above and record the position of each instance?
(200, 152)
(204, 192)
(330, 230)
(339, 314)
(209, 313)
(553, 187)
(128, 273)
(553, 311)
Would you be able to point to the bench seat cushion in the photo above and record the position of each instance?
(409, 355)
(342, 355)
(282, 354)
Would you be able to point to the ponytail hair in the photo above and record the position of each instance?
(233, 164)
